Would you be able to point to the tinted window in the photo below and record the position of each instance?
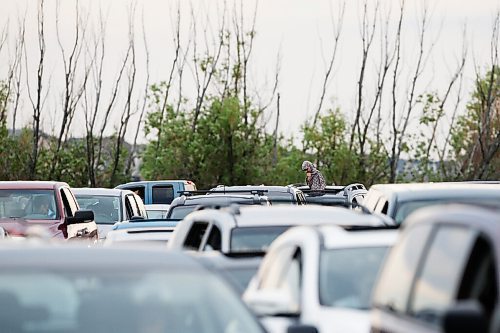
(393, 287)
(69, 202)
(254, 239)
(163, 194)
(195, 236)
(214, 241)
(347, 276)
(437, 284)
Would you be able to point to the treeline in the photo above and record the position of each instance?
(226, 132)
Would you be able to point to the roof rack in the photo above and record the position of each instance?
(190, 193)
(258, 192)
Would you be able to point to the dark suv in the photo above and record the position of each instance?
(442, 275)
(185, 204)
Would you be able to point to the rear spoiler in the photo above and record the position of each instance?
(245, 254)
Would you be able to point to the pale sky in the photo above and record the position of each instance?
(299, 30)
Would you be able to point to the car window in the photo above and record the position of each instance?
(195, 236)
(394, 283)
(437, 283)
(163, 194)
(141, 209)
(180, 212)
(28, 204)
(137, 189)
(69, 202)
(346, 276)
(214, 241)
(479, 281)
(131, 206)
(254, 239)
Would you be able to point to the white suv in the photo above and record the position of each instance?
(251, 229)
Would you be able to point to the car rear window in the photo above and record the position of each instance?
(254, 239)
(163, 194)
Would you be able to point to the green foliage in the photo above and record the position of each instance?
(474, 139)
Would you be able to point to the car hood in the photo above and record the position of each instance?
(20, 227)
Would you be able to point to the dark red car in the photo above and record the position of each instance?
(52, 205)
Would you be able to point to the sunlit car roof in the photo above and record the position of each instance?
(98, 191)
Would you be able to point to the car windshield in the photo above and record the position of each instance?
(254, 239)
(28, 204)
(106, 208)
(347, 276)
(404, 209)
(123, 301)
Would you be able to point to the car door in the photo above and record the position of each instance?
(429, 279)
(70, 206)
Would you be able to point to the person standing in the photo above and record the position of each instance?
(314, 178)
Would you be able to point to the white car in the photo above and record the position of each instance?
(251, 229)
(110, 206)
(157, 211)
(320, 278)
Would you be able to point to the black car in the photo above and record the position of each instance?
(79, 289)
(442, 275)
(288, 195)
(185, 204)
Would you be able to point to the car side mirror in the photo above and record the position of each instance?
(465, 316)
(302, 329)
(81, 216)
(271, 303)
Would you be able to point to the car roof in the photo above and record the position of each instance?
(438, 190)
(211, 199)
(335, 237)
(144, 182)
(39, 185)
(269, 188)
(298, 215)
(79, 256)
(99, 191)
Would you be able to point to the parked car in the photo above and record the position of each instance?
(80, 289)
(250, 230)
(288, 195)
(147, 231)
(49, 205)
(184, 205)
(399, 200)
(236, 271)
(319, 276)
(159, 191)
(442, 275)
(157, 211)
(335, 195)
(110, 206)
